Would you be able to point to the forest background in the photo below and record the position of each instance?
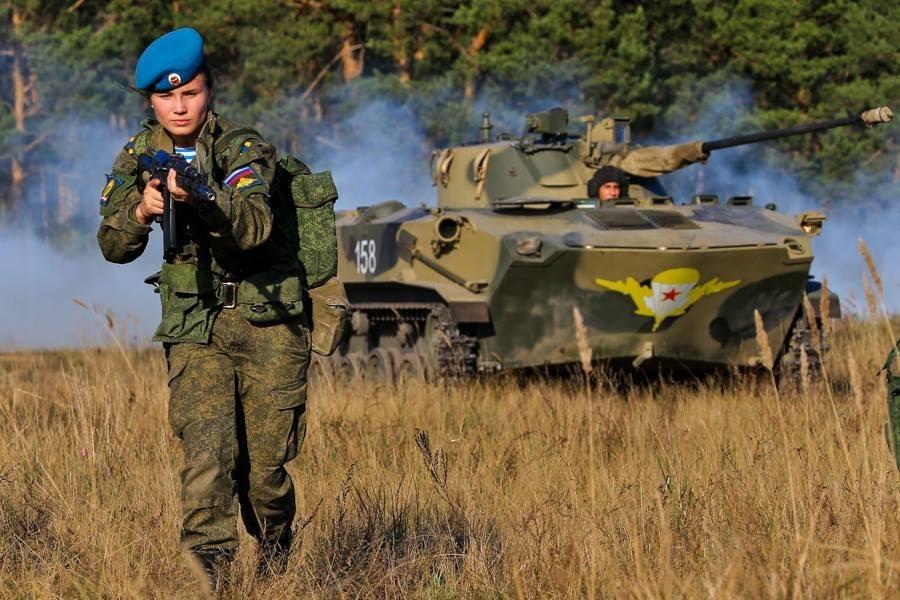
(371, 88)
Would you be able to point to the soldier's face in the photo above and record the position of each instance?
(182, 111)
(610, 190)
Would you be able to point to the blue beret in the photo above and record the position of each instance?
(169, 61)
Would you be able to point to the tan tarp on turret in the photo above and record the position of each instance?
(651, 161)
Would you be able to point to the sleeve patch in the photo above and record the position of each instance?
(112, 182)
(242, 177)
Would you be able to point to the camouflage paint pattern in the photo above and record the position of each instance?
(529, 298)
(514, 245)
(303, 203)
(558, 174)
(238, 404)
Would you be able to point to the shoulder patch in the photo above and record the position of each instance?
(112, 182)
(242, 177)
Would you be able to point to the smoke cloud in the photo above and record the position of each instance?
(379, 151)
(56, 299)
(50, 259)
(864, 208)
(380, 154)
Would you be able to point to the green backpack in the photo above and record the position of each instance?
(303, 206)
(892, 429)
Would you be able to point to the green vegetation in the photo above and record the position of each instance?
(297, 68)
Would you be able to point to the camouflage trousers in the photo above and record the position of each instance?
(238, 404)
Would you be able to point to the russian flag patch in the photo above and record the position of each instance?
(241, 177)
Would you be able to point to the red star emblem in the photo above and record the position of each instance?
(670, 295)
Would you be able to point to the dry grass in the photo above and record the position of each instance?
(715, 487)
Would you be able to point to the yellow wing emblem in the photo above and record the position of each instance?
(670, 293)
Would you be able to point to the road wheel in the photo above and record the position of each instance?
(321, 372)
(411, 369)
(380, 367)
(350, 369)
(396, 359)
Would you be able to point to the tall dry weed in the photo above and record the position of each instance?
(825, 307)
(507, 487)
(810, 313)
(871, 266)
(585, 353)
(875, 298)
(871, 298)
(762, 342)
(804, 371)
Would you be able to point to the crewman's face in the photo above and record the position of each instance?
(610, 190)
(182, 111)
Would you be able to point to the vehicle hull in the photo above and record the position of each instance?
(679, 287)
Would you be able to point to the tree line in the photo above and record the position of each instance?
(668, 65)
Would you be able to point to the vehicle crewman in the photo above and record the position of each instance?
(607, 184)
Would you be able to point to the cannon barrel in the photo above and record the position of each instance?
(867, 118)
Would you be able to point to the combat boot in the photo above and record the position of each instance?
(273, 555)
(213, 568)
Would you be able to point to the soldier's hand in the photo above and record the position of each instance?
(151, 203)
(179, 193)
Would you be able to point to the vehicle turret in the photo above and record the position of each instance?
(548, 162)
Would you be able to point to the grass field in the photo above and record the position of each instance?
(717, 487)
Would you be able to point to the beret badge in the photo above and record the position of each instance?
(174, 79)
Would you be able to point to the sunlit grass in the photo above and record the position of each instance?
(506, 487)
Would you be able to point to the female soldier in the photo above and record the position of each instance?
(233, 328)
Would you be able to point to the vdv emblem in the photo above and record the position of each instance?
(670, 293)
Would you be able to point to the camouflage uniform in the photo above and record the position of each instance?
(892, 429)
(237, 377)
(652, 161)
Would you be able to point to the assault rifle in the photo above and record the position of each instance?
(188, 177)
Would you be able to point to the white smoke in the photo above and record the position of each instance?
(853, 212)
(38, 307)
(43, 277)
(380, 151)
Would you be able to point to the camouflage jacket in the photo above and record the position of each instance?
(231, 236)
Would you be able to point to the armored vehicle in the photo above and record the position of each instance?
(514, 252)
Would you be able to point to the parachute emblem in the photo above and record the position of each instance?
(670, 293)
